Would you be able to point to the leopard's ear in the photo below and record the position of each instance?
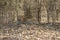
(3, 4)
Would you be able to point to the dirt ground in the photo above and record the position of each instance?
(30, 32)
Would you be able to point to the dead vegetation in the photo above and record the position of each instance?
(28, 32)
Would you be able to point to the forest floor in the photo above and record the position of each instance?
(30, 32)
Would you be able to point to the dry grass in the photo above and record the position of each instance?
(32, 32)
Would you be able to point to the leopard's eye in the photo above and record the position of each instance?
(5, 3)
